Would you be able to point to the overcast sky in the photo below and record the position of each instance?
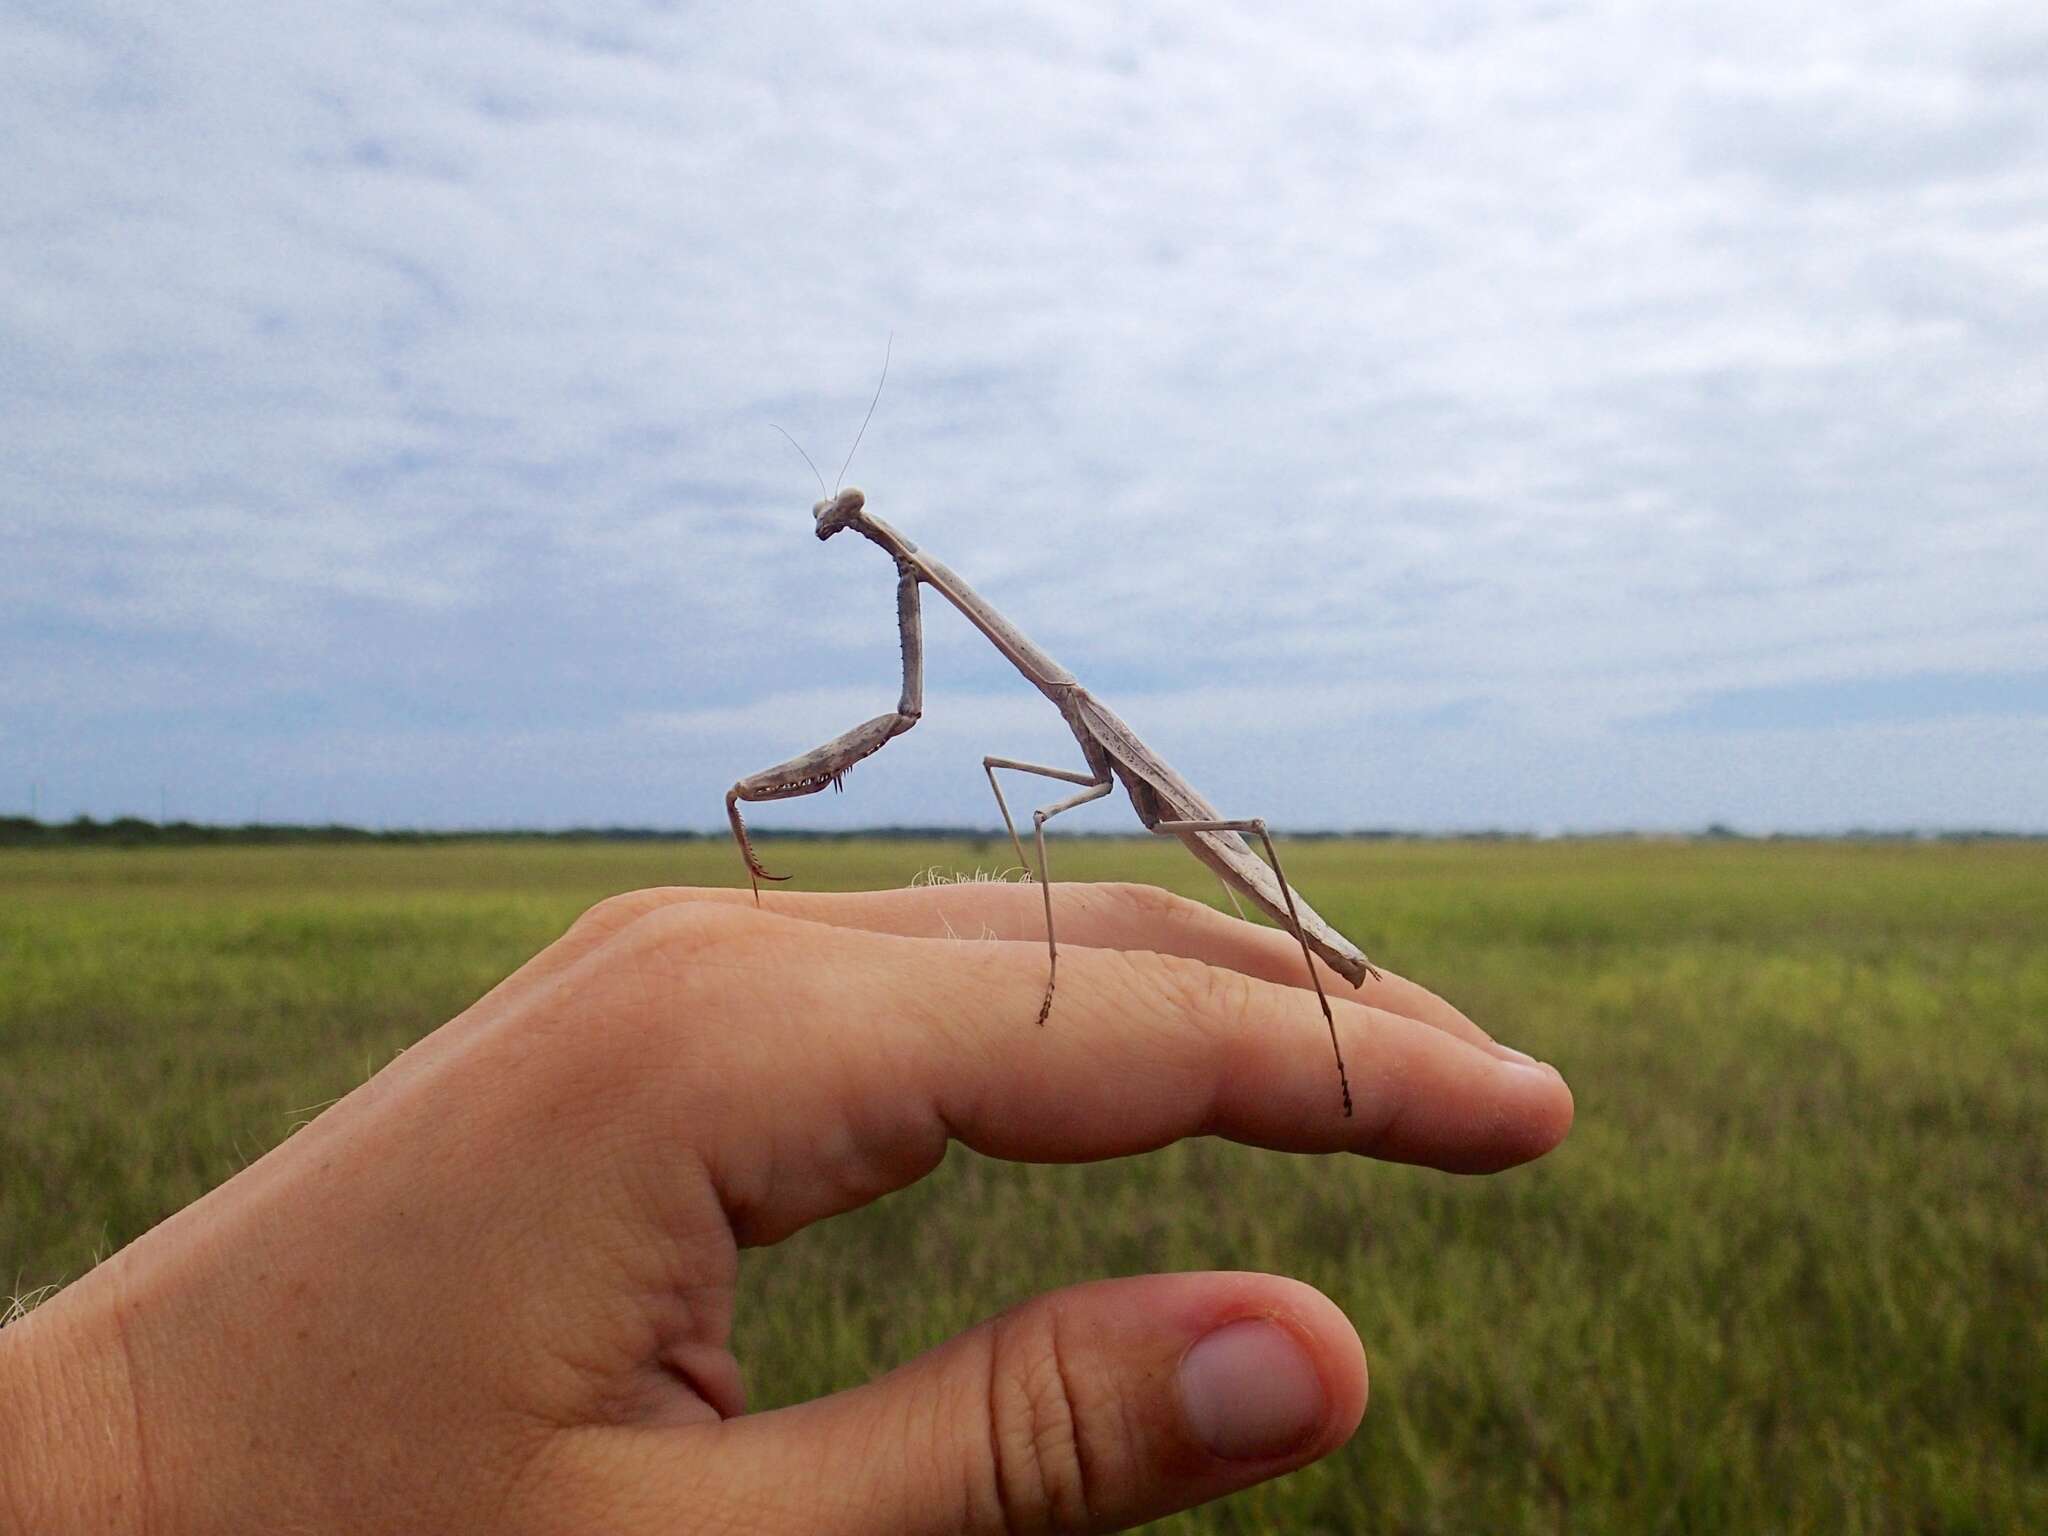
(1432, 416)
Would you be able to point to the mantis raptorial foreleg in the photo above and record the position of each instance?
(808, 774)
(1096, 788)
(1258, 825)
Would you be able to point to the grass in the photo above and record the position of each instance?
(1787, 1275)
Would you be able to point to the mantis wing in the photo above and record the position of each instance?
(1156, 788)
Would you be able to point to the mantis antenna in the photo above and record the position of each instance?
(887, 348)
(799, 447)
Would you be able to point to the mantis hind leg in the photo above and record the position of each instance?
(1096, 788)
(1257, 825)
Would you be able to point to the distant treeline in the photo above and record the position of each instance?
(133, 831)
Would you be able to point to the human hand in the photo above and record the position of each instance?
(492, 1289)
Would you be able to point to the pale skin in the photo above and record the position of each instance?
(492, 1289)
(1165, 802)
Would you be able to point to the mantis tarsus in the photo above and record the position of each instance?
(1165, 802)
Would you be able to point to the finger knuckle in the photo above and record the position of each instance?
(640, 1014)
(617, 913)
(1152, 905)
(1040, 1422)
(669, 937)
(654, 961)
(1213, 996)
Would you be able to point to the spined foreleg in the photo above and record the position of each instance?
(824, 765)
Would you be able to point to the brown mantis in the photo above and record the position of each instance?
(1165, 802)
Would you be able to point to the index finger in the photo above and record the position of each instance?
(803, 1049)
(1108, 915)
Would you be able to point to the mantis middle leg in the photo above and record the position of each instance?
(1257, 824)
(808, 774)
(1098, 784)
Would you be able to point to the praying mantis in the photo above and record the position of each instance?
(1165, 802)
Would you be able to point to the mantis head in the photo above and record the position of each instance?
(837, 512)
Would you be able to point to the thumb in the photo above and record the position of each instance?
(1089, 1409)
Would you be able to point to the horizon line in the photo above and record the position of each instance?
(18, 830)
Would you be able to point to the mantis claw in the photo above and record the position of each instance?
(755, 872)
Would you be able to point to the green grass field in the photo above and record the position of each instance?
(1790, 1273)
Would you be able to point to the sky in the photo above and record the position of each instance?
(1539, 416)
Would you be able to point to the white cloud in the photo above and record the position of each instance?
(1561, 362)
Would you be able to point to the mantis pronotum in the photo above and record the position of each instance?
(1165, 802)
